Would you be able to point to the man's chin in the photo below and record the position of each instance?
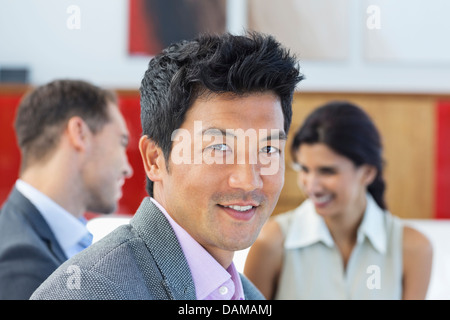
(240, 244)
(104, 208)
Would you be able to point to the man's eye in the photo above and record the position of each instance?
(270, 149)
(219, 147)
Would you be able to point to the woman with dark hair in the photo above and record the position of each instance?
(340, 243)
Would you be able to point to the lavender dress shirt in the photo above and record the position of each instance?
(211, 280)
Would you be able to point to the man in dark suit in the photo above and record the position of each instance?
(209, 190)
(73, 141)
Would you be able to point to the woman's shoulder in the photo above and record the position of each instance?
(415, 242)
(271, 237)
(417, 263)
(413, 239)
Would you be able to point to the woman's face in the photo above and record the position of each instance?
(332, 182)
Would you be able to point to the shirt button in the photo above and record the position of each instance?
(223, 290)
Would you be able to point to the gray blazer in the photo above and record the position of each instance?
(141, 260)
(29, 251)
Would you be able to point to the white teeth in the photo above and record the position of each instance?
(239, 208)
(321, 199)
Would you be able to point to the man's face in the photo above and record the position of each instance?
(107, 166)
(226, 169)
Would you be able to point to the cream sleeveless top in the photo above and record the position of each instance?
(313, 267)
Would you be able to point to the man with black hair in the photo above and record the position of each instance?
(210, 191)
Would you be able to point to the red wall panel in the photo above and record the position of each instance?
(9, 152)
(442, 172)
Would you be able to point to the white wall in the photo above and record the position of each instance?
(34, 34)
(414, 71)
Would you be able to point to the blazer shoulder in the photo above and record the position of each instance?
(140, 260)
(108, 269)
(26, 258)
(21, 224)
(19, 213)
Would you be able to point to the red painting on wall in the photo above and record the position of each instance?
(155, 24)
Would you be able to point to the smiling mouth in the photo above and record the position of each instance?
(238, 212)
(239, 208)
(321, 200)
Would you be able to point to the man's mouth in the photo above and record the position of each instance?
(239, 208)
(243, 212)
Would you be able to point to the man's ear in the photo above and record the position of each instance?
(78, 133)
(152, 158)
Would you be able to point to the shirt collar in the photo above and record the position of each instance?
(308, 227)
(208, 275)
(67, 229)
(373, 226)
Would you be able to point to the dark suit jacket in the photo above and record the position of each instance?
(29, 252)
(140, 260)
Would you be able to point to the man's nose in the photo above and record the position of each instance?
(128, 169)
(246, 177)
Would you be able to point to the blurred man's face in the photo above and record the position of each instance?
(107, 165)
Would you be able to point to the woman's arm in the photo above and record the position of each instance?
(264, 260)
(417, 263)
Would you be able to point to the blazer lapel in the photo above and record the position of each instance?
(38, 223)
(160, 239)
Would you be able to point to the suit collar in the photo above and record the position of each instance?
(67, 229)
(160, 239)
(37, 222)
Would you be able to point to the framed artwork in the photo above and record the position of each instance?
(313, 29)
(155, 24)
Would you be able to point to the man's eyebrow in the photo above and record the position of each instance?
(218, 132)
(278, 135)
